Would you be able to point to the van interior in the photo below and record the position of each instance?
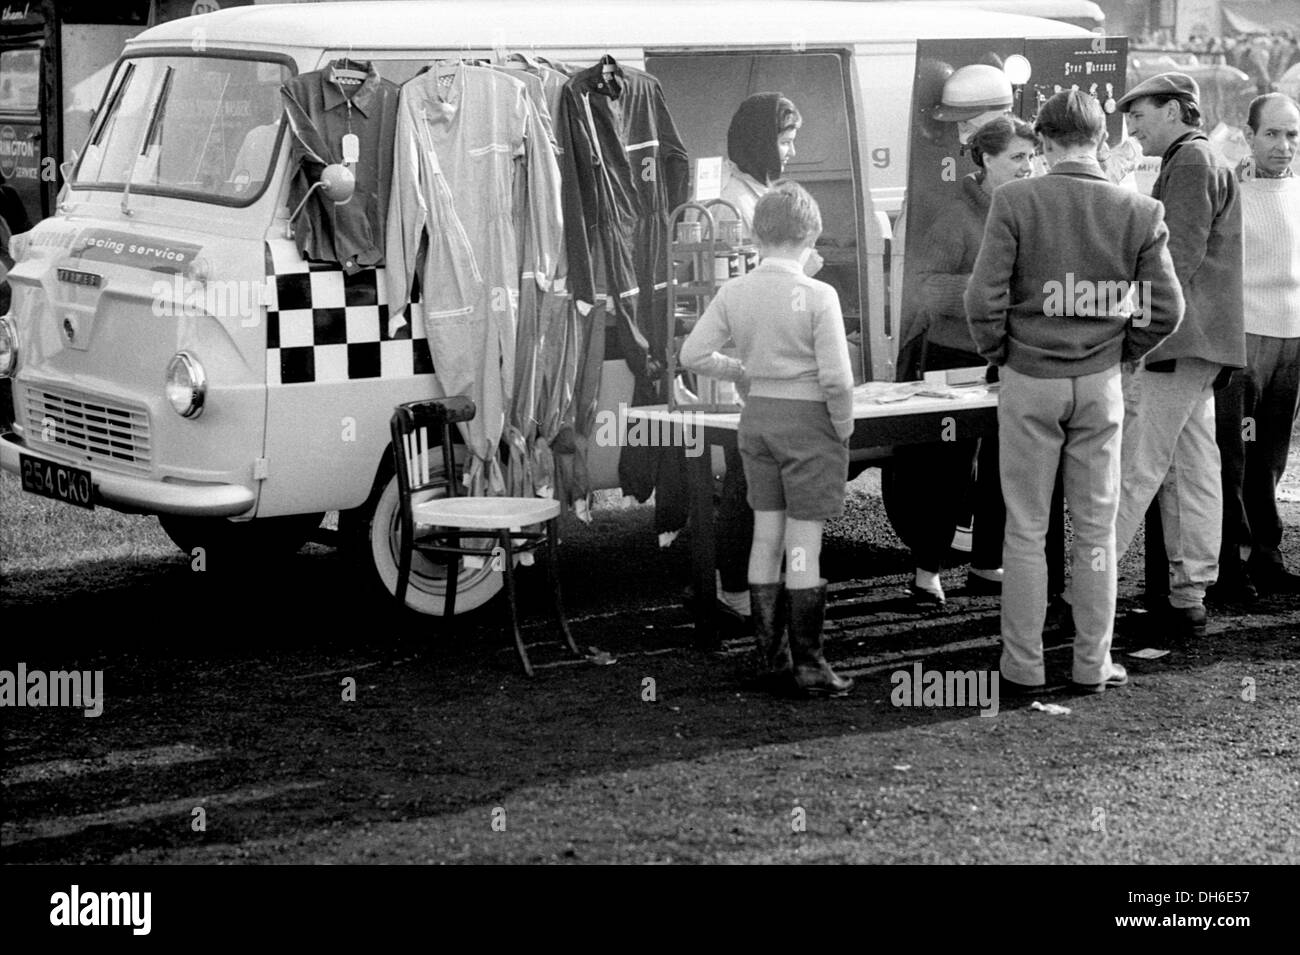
(703, 91)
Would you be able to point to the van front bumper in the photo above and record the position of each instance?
(142, 496)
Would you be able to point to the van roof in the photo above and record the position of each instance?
(525, 24)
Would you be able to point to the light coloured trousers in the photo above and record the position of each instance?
(1076, 423)
(1169, 448)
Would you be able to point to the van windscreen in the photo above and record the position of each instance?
(202, 127)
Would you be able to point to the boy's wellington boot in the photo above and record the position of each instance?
(768, 609)
(812, 674)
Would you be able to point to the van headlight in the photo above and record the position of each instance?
(187, 385)
(8, 347)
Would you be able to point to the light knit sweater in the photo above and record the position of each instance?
(789, 333)
(1271, 231)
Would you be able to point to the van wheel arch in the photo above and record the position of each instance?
(369, 539)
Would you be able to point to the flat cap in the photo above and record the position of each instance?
(1178, 85)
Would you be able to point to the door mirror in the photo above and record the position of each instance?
(338, 184)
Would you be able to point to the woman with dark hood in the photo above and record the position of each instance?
(760, 141)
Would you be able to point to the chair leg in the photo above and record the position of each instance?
(553, 572)
(453, 579)
(509, 572)
(403, 575)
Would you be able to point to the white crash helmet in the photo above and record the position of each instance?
(973, 91)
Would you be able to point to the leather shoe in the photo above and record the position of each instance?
(1118, 677)
(1277, 581)
(924, 599)
(1232, 590)
(1012, 688)
(1170, 625)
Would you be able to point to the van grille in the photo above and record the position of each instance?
(97, 431)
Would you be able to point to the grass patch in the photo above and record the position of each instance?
(37, 534)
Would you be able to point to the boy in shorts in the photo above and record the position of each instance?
(793, 368)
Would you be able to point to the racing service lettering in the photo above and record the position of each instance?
(125, 248)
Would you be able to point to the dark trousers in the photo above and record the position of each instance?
(1254, 416)
(735, 527)
(946, 484)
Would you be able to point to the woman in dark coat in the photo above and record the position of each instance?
(947, 482)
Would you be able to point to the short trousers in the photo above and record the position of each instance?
(794, 461)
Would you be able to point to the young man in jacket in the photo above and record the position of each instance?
(1073, 277)
(1169, 432)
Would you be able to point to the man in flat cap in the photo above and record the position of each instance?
(1169, 439)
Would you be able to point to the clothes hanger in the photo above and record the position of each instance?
(349, 72)
(608, 68)
(531, 63)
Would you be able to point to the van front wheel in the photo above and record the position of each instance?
(372, 535)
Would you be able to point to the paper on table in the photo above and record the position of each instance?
(890, 392)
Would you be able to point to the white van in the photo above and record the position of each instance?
(145, 378)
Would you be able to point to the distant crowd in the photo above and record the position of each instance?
(1264, 57)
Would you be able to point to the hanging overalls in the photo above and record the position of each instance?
(461, 131)
(601, 207)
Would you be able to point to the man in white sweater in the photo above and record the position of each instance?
(1258, 410)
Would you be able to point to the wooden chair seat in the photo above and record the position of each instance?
(486, 513)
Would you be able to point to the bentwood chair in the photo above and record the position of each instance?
(453, 527)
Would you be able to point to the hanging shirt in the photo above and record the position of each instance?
(464, 134)
(321, 112)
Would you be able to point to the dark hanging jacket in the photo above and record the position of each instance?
(351, 234)
(601, 203)
(661, 172)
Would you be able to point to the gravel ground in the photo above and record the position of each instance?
(226, 697)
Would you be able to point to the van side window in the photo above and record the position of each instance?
(703, 93)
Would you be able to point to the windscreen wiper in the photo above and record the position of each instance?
(149, 131)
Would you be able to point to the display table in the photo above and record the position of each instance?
(885, 414)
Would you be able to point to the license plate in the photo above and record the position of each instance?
(57, 481)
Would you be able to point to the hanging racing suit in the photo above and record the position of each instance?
(463, 134)
(600, 214)
(530, 469)
(662, 175)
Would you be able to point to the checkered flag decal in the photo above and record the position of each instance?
(325, 325)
